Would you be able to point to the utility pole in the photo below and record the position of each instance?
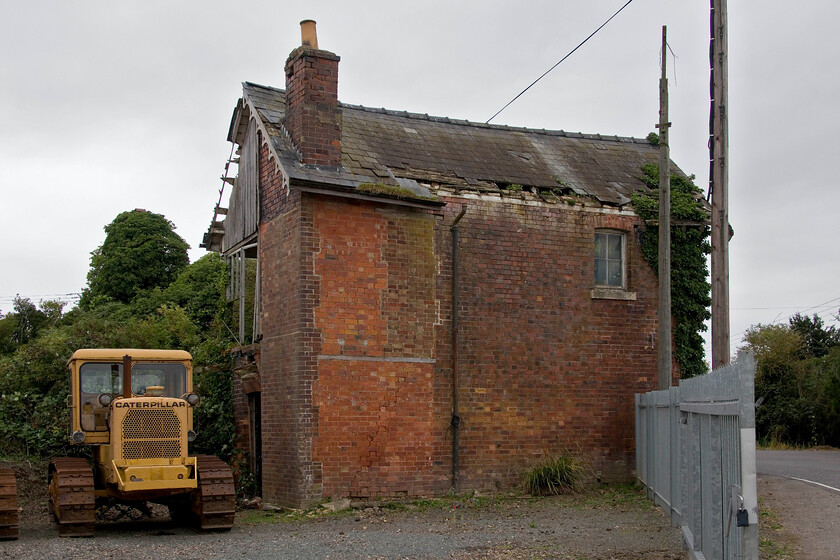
(664, 355)
(719, 183)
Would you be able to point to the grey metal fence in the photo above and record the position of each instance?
(695, 454)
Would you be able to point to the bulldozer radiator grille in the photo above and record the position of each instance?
(151, 434)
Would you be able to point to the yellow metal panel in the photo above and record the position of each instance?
(159, 477)
(137, 354)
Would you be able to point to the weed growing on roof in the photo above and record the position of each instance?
(514, 188)
(690, 289)
(393, 191)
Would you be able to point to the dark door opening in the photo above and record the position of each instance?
(255, 420)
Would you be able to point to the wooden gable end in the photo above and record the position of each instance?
(242, 220)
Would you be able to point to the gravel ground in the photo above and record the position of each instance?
(805, 521)
(607, 523)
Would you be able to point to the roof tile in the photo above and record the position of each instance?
(380, 144)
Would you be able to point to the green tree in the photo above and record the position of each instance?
(8, 324)
(798, 382)
(830, 410)
(141, 251)
(199, 289)
(817, 339)
(28, 320)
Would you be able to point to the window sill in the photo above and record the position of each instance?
(612, 293)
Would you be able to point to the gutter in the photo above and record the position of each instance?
(456, 419)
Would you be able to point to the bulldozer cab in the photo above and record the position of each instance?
(105, 378)
(97, 379)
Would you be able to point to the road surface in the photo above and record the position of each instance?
(803, 488)
(818, 467)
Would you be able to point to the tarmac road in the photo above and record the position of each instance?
(803, 488)
(818, 466)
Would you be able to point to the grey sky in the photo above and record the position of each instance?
(109, 106)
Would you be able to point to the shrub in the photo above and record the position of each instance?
(556, 474)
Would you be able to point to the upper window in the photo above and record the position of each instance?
(609, 259)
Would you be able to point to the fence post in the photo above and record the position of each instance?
(641, 436)
(650, 446)
(749, 535)
(675, 475)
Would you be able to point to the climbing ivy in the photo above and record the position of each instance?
(690, 288)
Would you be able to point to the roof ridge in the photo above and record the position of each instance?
(463, 122)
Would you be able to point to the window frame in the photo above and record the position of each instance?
(607, 260)
(609, 291)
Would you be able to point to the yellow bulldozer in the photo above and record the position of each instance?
(135, 408)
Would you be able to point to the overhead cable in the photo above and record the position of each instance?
(558, 62)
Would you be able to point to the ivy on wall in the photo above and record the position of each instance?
(690, 288)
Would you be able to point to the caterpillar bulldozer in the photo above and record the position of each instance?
(135, 408)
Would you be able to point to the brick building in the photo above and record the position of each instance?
(436, 303)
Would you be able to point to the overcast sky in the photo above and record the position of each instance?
(109, 106)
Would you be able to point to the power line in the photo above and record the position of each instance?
(30, 296)
(7, 302)
(819, 310)
(797, 307)
(558, 62)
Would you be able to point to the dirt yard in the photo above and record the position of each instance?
(601, 524)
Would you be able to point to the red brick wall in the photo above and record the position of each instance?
(376, 316)
(241, 422)
(543, 366)
(287, 366)
(357, 356)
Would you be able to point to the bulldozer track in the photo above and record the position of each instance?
(214, 501)
(72, 500)
(8, 505)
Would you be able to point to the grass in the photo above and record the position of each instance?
(557, 474)
(618, 495)
(776, 445)
(769, 530)
(608, 496)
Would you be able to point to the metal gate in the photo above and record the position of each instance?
(695, 454)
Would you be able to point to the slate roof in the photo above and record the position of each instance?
(397, 147)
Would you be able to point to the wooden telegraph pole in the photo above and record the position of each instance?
(664, 355)
(719, 183)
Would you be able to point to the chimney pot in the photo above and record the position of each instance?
(308, 35)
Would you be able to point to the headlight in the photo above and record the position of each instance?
(192, 399)
(105, 399)
(78, 436)
(191, 435)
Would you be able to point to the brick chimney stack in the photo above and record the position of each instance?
(313, 119)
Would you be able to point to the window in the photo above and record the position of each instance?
(609, 259)
(96, 378)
